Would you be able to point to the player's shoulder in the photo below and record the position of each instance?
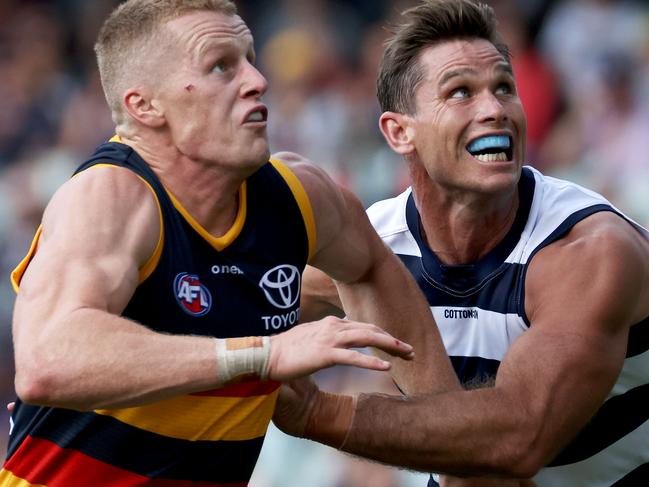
(605, 256)
(102, 200)
(308, 173)
(609, 236)
(388, 216)
(323, 192)
(604, 235)
(557, 199)
(104, 184)
(295, 162)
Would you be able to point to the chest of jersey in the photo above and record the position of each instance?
(250, 286)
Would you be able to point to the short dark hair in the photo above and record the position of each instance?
(430, 22)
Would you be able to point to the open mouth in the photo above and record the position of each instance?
(256, 116)
(492, 148)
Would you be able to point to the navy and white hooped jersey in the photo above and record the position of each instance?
(480, 311)
(246, 283)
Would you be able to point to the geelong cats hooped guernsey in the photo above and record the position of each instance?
(480, 311)
(245, 283)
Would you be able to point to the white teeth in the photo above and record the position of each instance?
(499, 157)
(255, 117)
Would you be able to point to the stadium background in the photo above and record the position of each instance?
(582, 68)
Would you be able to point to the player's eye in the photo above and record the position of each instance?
(219, 67)
(504, 89)
(461, 92)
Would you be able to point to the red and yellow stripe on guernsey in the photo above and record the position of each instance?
(239, 412)
(7, 479)
(59, 467)
(52, 466)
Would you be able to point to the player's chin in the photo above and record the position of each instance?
(499, 183)
(262, 155)
(260, 149)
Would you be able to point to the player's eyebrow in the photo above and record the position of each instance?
(458, 73)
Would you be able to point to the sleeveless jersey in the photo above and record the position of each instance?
(480, 311)
(246, 283)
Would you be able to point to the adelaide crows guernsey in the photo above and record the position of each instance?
(480, 311)
(246, 283)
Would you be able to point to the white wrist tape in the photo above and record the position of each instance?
(243, 358)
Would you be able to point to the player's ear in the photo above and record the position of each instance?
(397, 130)
(143, 107)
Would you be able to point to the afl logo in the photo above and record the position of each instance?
(192, 296)
(281, 285)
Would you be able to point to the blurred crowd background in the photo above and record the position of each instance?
(582, 68)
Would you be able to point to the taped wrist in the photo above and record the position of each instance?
(330, 420)
(239, 359)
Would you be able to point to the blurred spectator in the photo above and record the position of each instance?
(578, 33)
(35, 84)
(602, 139)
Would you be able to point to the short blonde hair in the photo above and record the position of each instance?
(129, 34)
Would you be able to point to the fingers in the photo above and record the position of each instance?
(10, 407)
(354, 334)
(377, 338)
(313, 346)
(359, 359)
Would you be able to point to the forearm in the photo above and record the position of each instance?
(388, 297)
(92, 359)
(99, 360)
(449, 432)
(465, 433)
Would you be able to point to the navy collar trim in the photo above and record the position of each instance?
(466, 278)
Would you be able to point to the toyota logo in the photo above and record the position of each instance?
(281, 285)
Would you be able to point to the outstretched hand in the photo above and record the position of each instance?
(320, 344)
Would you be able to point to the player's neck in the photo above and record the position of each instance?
(209, 195)
(463, 231)
(207, 192)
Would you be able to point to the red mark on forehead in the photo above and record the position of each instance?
(189, 88)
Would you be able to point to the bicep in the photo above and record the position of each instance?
(96, 232)
(563, 368)
(319, 297)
